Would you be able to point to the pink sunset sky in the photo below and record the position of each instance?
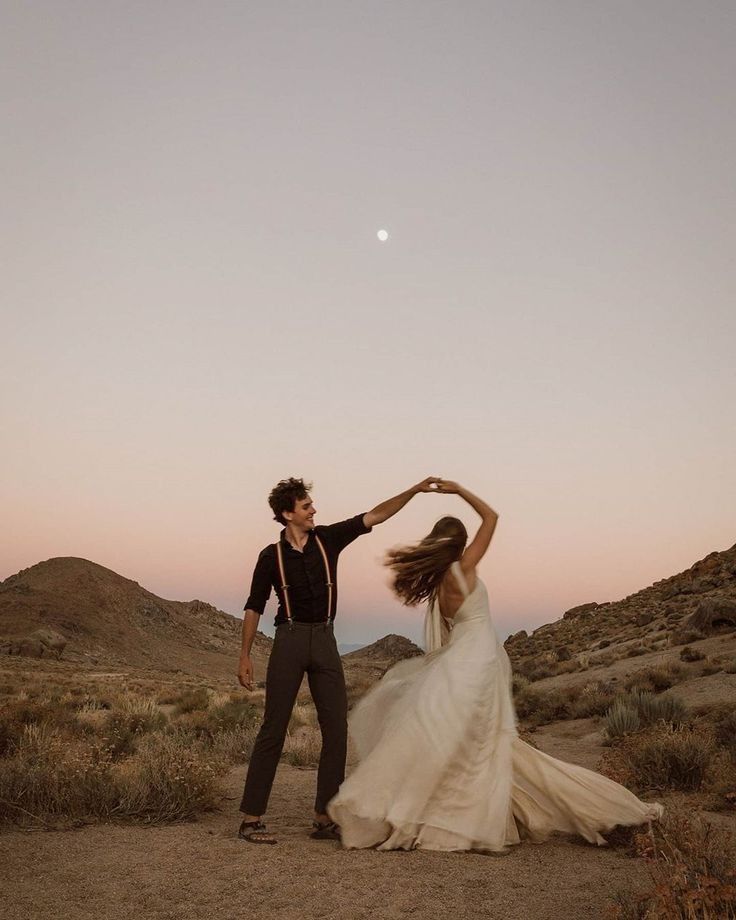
(195, 303)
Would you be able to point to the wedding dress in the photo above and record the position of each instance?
(441, 765)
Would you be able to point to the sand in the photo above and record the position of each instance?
(201, 871)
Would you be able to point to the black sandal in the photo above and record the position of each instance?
(327, 831)
(255, 832)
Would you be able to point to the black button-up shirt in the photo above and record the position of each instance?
(305, 573)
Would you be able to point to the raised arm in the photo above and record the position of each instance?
(388, 509)
(477, 547)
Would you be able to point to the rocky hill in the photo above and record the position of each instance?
(683, 608)
(111, 620)
(391, 648)
(91, 615)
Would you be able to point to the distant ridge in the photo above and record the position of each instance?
(389, 648)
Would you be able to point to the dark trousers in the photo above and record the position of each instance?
(302, 648)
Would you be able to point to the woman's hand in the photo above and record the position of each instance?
(448, 487)
(430, 484)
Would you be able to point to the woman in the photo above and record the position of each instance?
(441, 764)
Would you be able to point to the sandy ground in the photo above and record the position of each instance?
(202, 870)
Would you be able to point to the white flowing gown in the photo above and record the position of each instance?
(441, 765)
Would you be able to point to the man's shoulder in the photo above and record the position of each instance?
(268, 552)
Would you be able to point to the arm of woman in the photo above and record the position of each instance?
(477, 547)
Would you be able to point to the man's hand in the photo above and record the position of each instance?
(448, 487)
(245, 672)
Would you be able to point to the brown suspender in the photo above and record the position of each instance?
(285, 587)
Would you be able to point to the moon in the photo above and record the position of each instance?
(382, 235)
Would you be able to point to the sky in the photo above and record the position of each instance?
(194, 302)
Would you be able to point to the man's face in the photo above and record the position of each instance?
(302, 517)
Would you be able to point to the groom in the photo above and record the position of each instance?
(302, 568)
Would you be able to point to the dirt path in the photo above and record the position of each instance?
(201, 871)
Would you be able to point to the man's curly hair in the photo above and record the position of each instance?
(285, 495)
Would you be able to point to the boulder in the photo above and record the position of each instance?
(713, 614)
(43, 643)
(53, 643)
(519, 636)
(580, 609)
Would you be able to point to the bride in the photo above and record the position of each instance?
(441, 764)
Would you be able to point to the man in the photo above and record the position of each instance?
(302, 569)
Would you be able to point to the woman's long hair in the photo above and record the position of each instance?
(418, 570)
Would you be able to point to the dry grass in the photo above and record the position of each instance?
(76, 757)
(539, 707)
(692, 873)
(663, 757)
(303, 747)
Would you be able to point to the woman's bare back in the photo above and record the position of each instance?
(449, 596)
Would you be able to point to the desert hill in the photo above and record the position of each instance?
(112, 620)
(391, 648)
(692, 605)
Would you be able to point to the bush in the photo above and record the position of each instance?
(17, 714)
(688, 653)
(722, 720)
(49, 776)
(125, 724)
(652, 708)
(592, 700)
(669, 758)
(655, 679)
(691, 870)
(168, 780)
(621, 719)
(191, 700)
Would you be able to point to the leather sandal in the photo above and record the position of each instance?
(255, 832)
(326, 831)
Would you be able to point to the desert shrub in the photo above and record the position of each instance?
(655, 679)
(652, 708)
(633, 651)
(518, 683)
(621, 719)
(50, 776)
(669, 758)
(538, 707)
(191, 700)
(691, 870)
(710, 667)
(602, 661)
(234, 745)
(230, 715)
(722, 722)
(730, 667)
(592, 700)
(132, 717)
(539, 671)
(21, 712)
(169, 779)
(303, 747)
(688, 653)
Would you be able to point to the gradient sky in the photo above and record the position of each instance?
(195, 304)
